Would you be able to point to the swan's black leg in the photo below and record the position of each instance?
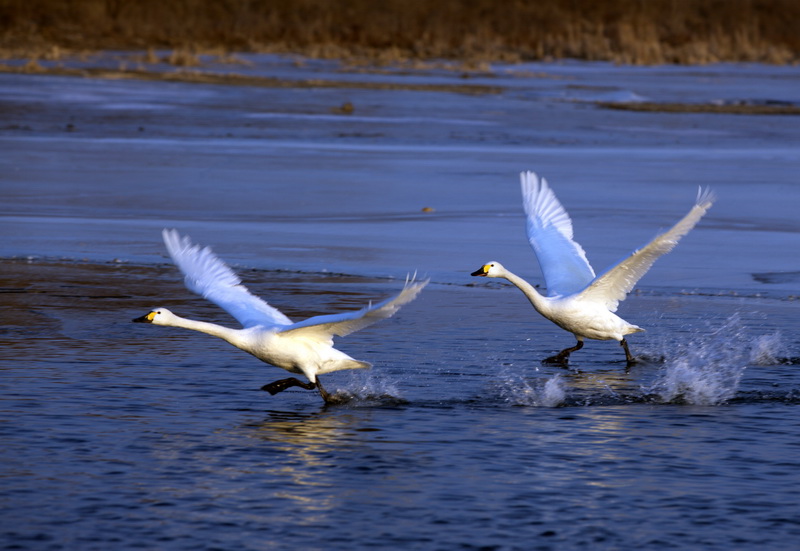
(628, 356)
(323, 392)
(563, 357)
(283, 384)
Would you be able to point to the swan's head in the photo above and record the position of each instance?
(490, 269)
(159, 316)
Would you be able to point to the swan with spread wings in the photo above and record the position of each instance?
(577, 300)
(304, 347)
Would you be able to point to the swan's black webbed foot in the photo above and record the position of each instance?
(557, 360)
(283, 384)
(562, 358)
(337, 398)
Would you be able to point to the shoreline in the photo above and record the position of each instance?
(233, 79)
(197, 75)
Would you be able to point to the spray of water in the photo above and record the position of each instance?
(522, 392)
(767, 349)
(368, 388)
(707, 369)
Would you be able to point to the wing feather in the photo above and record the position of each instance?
(614, 285)
(208, 276)
(325, 327)
(563, 262)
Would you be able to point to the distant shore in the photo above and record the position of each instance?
(473, 32)
(238, 70)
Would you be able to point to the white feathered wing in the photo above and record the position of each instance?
(209, 277)
(613, 286)
(563, 262)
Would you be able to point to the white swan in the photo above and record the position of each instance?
(578, 301)
(305, 347)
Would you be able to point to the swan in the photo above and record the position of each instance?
(577, 300)
(304, 347)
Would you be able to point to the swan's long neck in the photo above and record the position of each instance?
(539, 302)
(233, 336)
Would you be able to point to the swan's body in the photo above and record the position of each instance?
(577, 300)
(305, 347)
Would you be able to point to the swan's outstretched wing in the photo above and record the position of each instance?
(325, 327)
(563, 262)
(614, 285)
(211, 278)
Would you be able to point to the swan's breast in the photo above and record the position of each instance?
(587, 319)
(289, 352)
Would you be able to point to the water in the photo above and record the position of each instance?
(123, 436)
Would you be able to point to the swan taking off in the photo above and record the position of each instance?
(578, 301)
(305, 347)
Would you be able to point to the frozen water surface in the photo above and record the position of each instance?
(249, 170)
(121, 436)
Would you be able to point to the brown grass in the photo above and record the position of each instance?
(388, 31)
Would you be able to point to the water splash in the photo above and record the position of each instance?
(707, 370)
(768, 349)
(367, 388)
(522, 392)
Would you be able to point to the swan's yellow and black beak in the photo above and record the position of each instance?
(482, 271)
(147, 318)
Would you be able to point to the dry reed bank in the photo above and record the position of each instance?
(623, 31)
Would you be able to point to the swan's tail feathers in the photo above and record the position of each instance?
(339, 365)
(355, 364)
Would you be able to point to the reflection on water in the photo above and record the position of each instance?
(308, 430)
(303, 474)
